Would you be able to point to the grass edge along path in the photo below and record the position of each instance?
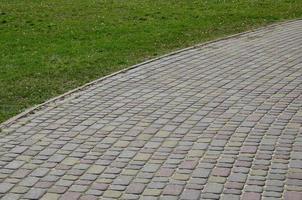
(47, 49)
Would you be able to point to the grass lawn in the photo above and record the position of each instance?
(48, 47)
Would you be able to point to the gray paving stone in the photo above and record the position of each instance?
(5, 187)
(29, 181)
(190, 194)
(201, 173)
(40, 172)
(213, 188)
(16, 164)
(230, 197)
(35, 193)
(253, 188)
(136, 188)
(19, 149)
(237, 177)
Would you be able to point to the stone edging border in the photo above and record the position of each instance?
(60, 99)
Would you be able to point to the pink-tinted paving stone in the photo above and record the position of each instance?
(292, 195)
(88, 197)
(264, 156)
(188, 164)
(166, 172)
(44, 184)
(63, 167)
(251, 196)
(249, 149)
(99, 186)
(221, 172)
(234, 185)
(295, 175)
(243, 163)
(70, 195)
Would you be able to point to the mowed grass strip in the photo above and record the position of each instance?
(49, 47)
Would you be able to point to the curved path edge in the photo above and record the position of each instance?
(55, 101)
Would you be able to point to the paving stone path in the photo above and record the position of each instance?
(219, 121)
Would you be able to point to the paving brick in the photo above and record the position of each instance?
(70, 195)
(29, 181)
(50, 196)
(170, 144)
(142, 157)
(248, 149)
(19, 189)
(230, 197)
(292, 195)
(213, 188)
(237, 177)
(253, 188)
(88, 197)
(70, 161)
(151, 168)
(172, 190)
(221, 172)
(181, 177)
(99, 186)
(96, 169)
(166, 172)
(14, 164)
(189, 194)
(94, 192)
(135, 188)
(188, 164)
(5, 187)
(123, 180)
(11, 196)
(152, 192)
(78, 188)
(35, 193)
(58, 189)
(251, 196)
(201, 173)
(112, 194)
(40, 172)
(19, 149)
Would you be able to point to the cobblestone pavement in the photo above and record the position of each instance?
(219, 121)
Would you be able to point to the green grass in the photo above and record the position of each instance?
(48, 47)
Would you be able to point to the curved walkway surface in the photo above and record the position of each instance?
(219, 121)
